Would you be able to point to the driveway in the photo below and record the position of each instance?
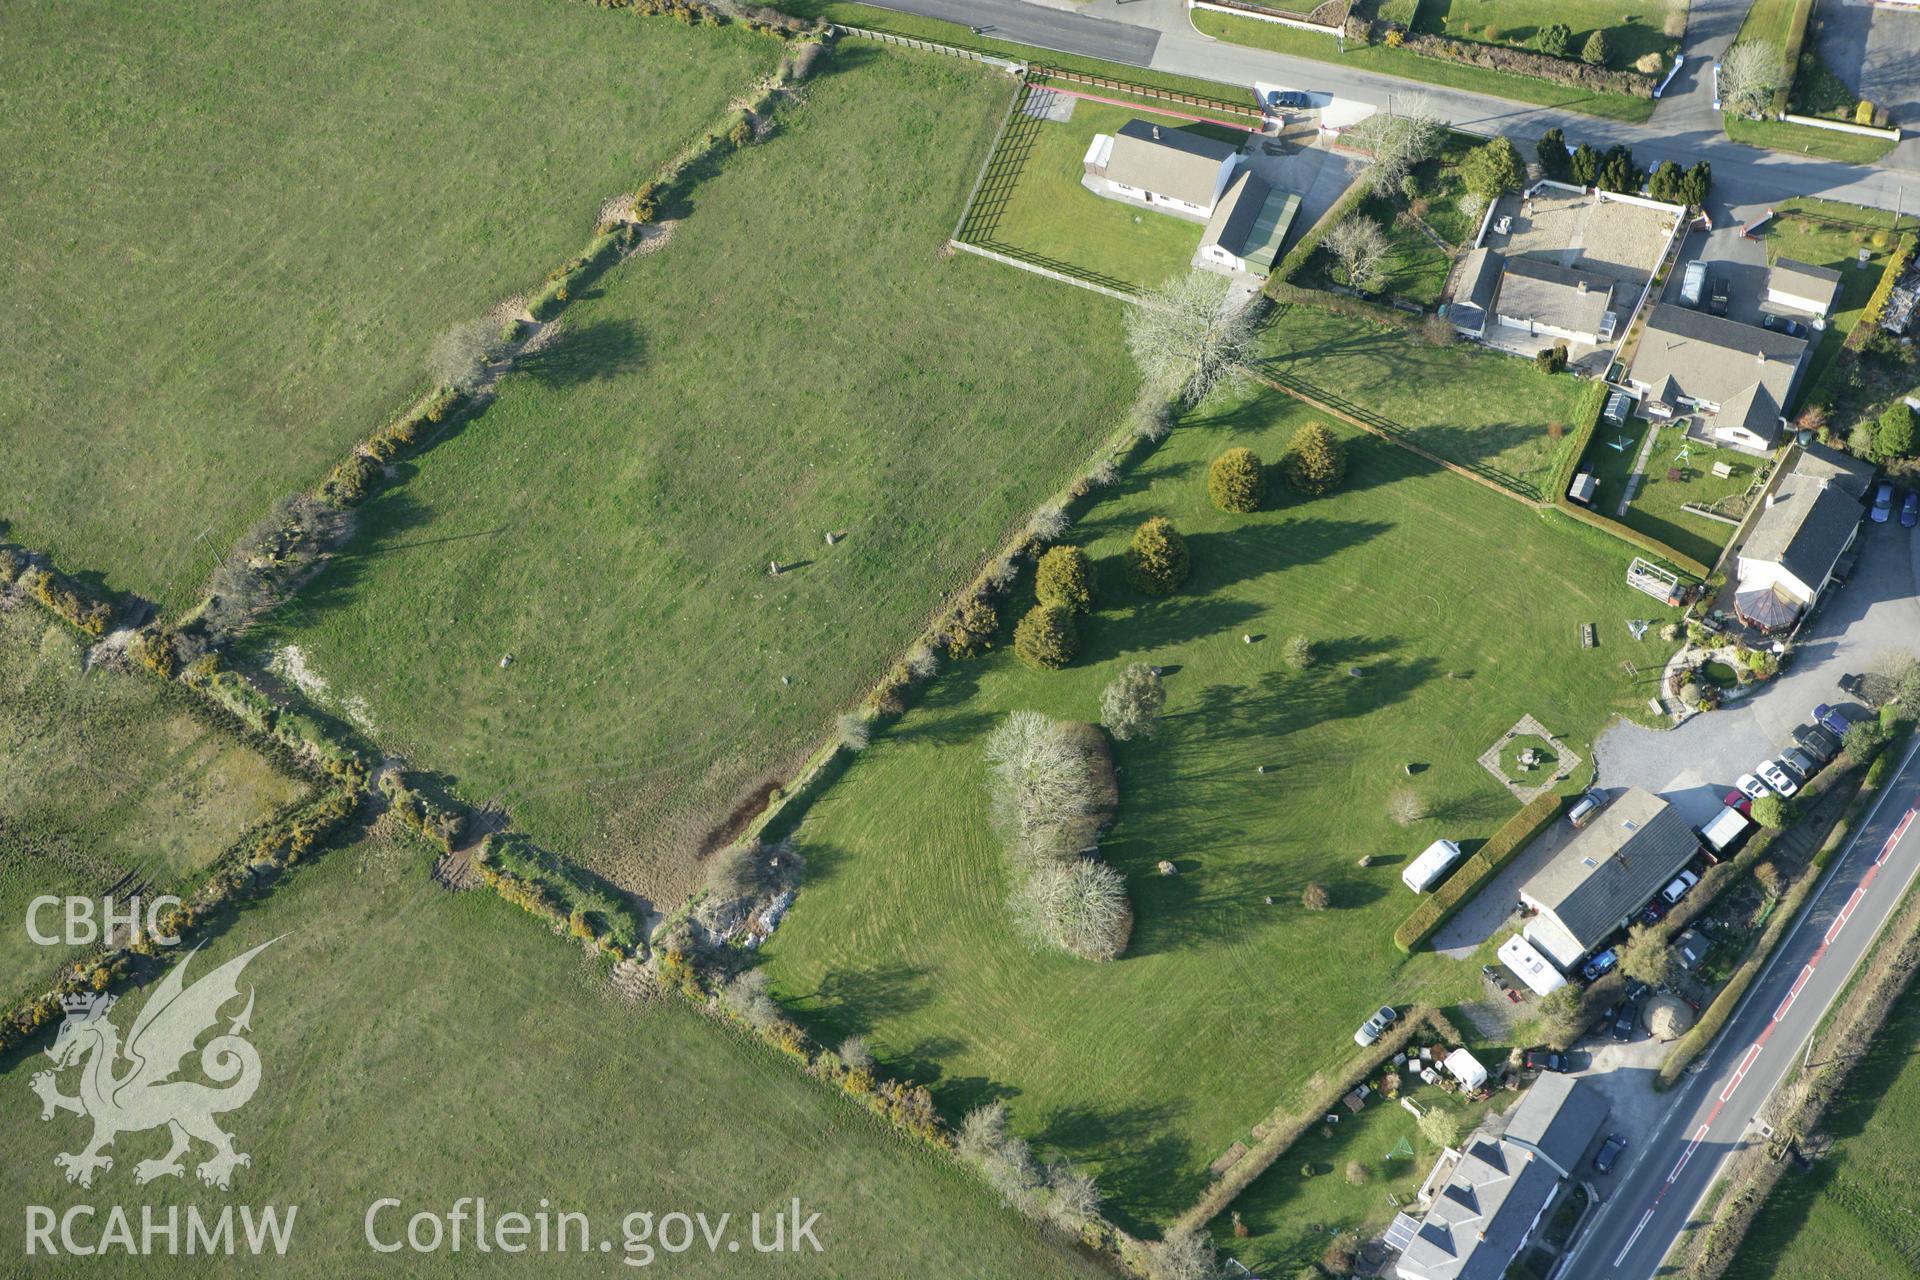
(1875, 52)
(1741, 262)
(1693, 765)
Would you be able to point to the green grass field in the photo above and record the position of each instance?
(105, 779)
(1853, 1215)
(240, 229)
(424, 1045)
(1633, 29)
(1460, 610)
(1048, 214)
(1807, 140)
(1404, 62)
(1479, 408)
(719, 404)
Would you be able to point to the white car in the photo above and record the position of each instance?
(1371, 1029)
(1752, 786)
(1678, 889)
(1776, 777)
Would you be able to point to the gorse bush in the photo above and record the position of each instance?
(971, 629)
(1065, 578)
(1046, 637)
(1156, 560)
(1236, 481)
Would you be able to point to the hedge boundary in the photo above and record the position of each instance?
(1513, 836)
(1877, 303)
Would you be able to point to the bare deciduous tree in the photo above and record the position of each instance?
(1749, 77)
(1188, 335)
(1185, 1254)
(854, 731)
(746, 994)
(1048, 523)
(1130, 706)
(1360, 247)
(1073, 1198)
(922, 662)
(1406, 807)
(855, 1055)
(461, 356)
(1079, 906)
(1398, 140)
(1043, 785)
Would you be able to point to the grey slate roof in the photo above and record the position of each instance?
(1713, 359)
(1804, 280)
(1817, 462)
(1558, 1119)
(1479, 282)
(1550, 294)
(1611, 868)
(1483, 1214)
(1755, 409)
(1251, 220)
(1806, 526)
(1168, 161)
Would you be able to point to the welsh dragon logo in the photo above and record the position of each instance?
(131, 1088)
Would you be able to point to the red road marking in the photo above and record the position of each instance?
(1739, 1073)
(1785, 1005)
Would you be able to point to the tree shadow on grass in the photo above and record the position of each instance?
(593, 352)
(1149, 1174)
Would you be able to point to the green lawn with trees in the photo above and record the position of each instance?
(1321, 656)
(1476, 407)
(239, 232)
(106, 779)
(427, 1045)
(717, 405)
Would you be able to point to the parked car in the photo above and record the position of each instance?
(1833, 720)
(1371, 1029)
(1544, 1060)
(1777, 778)
(1753, 787)
(1625, 1022)
(1784, 324)
(1609, 1152)
(1601, 965)
(1677, 889)
(1636, 989)
(1817, 742)
(1719, 296)
(1693, 283)
(1588, 805)
(1737, 799)
(1910, 509)
(1882, 503)
(1800, 762)
(1653, 912)
(1288, 100)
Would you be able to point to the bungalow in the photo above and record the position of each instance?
(1801, 286)
(1545, 299)
(1811, 519)
(1182, 172)
(1605, 874)
(1474, 292)
(1248, 225)
(1483, 1202)
(1739, 377)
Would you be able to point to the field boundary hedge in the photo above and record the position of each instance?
(1514, 835)
(1877, 303)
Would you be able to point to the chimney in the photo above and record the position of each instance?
(1582, 287)
(1760, 357)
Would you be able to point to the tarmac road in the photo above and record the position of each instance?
(1711, 1116)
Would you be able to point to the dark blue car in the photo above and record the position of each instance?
(1910, 509)
(1832, 720)
(1288, 100)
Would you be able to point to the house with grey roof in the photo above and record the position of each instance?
(1176, 170)
(1811, 519)
(1475, 285)
(1558, 1120)
(1605, 874)
(1738, 377)
(1801, 286)
(1483, 1202)
(1248, 225)
(1544, 299)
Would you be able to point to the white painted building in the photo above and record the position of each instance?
(1178, 170)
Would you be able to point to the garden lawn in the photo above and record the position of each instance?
(1413, 66)
(1483, 409)
(1830, 235)
(1047, 214)
(239, 230)
(1853, 1214)
(106, 779)
(1633, 29)
(427, 1046)
(801, 358)
(1658, 508)
(1416, 267)
(1806, 139)
(1441, 612)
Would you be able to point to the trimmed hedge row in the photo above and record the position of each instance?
(1499, 850)
(1877, 303)
(1790, 54)
(1529, 62)
(1298, 255)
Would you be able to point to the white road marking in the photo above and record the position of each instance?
(1628, 1247)
(1686, 1155)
